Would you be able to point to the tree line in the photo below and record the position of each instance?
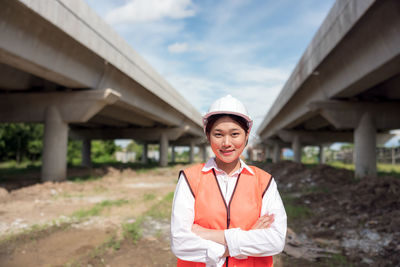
(24, 142)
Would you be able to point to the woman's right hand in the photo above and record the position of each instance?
(264, 222)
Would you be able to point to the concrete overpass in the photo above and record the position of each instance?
(346, 86)
(61, 65)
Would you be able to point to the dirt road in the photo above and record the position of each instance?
(87, 223)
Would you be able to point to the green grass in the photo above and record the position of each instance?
(162, 209)
(133, 231)
(98, 208)
(382, 168)
(148, 197)
(113, 242)
(338, 260)
(295, 211)
(84, 179)
(34, 232)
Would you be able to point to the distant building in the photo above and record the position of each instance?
(125, 157)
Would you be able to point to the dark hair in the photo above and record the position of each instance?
(213, 118)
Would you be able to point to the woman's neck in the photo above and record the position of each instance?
(229, 168)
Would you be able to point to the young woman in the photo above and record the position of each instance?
(224, 211)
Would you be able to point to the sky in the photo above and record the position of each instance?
(207, 49)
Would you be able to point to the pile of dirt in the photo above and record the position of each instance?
(362, 216)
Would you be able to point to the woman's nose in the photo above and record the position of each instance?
(226, 141)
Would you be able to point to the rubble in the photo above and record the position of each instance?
(359, 217)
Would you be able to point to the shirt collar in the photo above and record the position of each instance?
(211, 164)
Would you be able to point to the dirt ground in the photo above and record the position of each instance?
(38, 228)
(342, 222)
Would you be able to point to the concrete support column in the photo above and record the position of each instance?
(173, 154)
(321, 156)
(296, 147)
(164, 150)
(86, 153)
(144, 153)
(204, 152)
(365, 147)
(277, 153)
(55, 142)
(268, 153)
(191, 152)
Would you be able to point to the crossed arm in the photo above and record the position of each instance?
(194, 243)
(218, 236)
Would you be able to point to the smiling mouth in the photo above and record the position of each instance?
(226, 152)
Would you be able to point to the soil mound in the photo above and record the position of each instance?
(363, 215)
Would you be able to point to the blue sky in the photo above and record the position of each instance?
(207, 49)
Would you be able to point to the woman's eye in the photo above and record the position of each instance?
(235, 134)
(217, 135)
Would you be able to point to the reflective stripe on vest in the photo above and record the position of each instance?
(242, 211)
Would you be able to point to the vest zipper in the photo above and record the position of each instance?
(228, 207)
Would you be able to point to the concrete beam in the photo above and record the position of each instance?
(141, 134)
(356, 48)
(346, 115)
(81, 51)
(72, 106)
(323, 137)
(55, 142)
(124, 115)
(185, 141)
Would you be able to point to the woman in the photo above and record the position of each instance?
(224, 211)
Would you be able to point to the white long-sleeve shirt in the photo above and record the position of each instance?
(260, 242)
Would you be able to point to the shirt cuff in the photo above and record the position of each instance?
(215, 251)
(231, 237)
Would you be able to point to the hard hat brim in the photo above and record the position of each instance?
(208, 115)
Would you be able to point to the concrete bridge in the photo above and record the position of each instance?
(346, 86)
(61, 65)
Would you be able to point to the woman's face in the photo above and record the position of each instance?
(227, 139)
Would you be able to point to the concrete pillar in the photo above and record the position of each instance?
(55, 142)
(277, 153)
(164, 150)
(86, 153)
(144, 153)
(173, 154)
(296, 147)
(268, 153)
(204, 152)
(191, 152)
(321, 156)
(365, 147)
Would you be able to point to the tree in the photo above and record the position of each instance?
(19, 141)
(135, 147)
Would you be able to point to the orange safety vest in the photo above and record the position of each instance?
(243, 210)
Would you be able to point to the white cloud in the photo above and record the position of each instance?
(259, 74)
(178, 48)
(150, 10)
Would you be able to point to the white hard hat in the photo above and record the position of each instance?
(228, 105)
